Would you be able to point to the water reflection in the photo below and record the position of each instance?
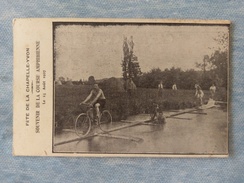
(206, 132)
(152, 127)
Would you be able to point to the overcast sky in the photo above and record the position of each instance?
(83, 50)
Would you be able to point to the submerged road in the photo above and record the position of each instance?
(205, 132)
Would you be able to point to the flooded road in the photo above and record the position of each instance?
(203, 133)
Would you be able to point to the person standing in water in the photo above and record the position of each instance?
(199, 94)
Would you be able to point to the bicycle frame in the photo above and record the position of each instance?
(90, 109)
(90, 114)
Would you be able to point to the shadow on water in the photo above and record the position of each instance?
(154, 128)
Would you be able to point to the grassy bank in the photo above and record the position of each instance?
(67, 99)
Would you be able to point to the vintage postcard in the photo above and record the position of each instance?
(121, 87)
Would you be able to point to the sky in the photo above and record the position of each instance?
(83, 50)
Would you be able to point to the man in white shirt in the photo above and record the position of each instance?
(174, 87)
(212, 90)
(199, 94)
(160, 89)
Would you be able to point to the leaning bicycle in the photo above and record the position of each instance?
(85, 121)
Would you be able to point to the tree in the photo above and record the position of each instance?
(205, 64)
(183, 79)
(130, 64)
(62, 79)
(217, 63)
(171, 76)
(151, 78)
(188, 79)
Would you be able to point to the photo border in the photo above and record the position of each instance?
(141, 22)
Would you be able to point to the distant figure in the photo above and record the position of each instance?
(81, 82)
(212, 90)
(199, 94)
(130, 86)
(160, 89)
(174, 87)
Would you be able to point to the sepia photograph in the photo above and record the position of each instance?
(140, 88)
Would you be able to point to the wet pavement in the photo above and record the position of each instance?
(202, 133)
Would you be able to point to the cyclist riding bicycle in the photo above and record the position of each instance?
(95, 99)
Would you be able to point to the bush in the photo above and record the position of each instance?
(121, 105)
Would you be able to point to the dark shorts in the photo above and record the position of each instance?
(102, 103)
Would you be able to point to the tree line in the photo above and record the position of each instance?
(212, 70)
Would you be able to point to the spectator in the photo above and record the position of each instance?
(160, 89)
(199, 94)
(174, 87)
(212, 90)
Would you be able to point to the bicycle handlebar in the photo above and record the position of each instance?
(86, 105)
(83, 103)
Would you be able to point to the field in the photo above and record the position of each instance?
(121, 105)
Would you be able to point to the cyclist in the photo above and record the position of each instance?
(95, 99)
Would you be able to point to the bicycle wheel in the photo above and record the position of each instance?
(105, 122)
(82, 125)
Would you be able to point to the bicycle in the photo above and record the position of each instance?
(83, 122)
